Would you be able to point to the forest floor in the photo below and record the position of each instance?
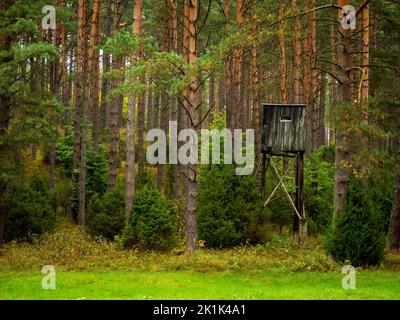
(97, 269)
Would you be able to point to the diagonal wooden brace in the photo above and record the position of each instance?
(275, 172)
(275, 190)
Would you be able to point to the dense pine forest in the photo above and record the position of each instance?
(104, 105)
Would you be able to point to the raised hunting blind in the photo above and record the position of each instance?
(283, 128)
(283, 134)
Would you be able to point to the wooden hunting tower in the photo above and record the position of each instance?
(283, 128)
(283, 135)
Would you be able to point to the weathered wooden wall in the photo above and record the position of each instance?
(283, 128)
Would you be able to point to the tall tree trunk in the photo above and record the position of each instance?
(297, 97)
(5, 97)
(342, 148)
(229, 81)
(332, 42)
(244, 97)
(115, 109)
(313, 104)
(94, 70)
(164, 117)
(195, 115)
(130, 125)
(394, 226)
(79, 100)
(211, 97)
(156, 110)
(5, 107)
(65, 95)
(174, 101)
(282, 67)
(237, 111)
(321, 118)
(164, 97)
(221, 96)
(54, 37)
(83, 76)
(149, 120)
(256, 100)
(365, 61)
(140, 124)
(300, 229)
(140, 98)
(105, 86)
(282, 55)
(130, 158)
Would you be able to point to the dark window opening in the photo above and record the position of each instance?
(286, 119)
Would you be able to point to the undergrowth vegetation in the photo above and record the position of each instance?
(70, 248)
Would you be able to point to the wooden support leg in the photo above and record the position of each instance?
(300, 225)
(296, 220)
(263, 172)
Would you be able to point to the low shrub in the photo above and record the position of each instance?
(28, 208)
(357, 236)
(218, 222)
(318, 189)
(152, 224)
(62, 197)
(230, 209)
(96, 174)
(105, 214)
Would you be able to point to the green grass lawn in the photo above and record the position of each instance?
(186, 285)
(93, 269)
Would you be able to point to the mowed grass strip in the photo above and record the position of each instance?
(185, 285)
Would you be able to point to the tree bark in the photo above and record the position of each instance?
(79, 101)
(333, 98)
(282, 56)
(211, 97)
(114, 111)
(140, 124)
(54, 91)
(229, 81)
(342, 148)
(130, 125)
(5, 97)
(321, 113)
(244, 97)
(297, 97)
(164, 97)
(237, 111)
(65, 95)
(256, 100)
(54, 38)
(5, 104)
(365, 61)
(83, 6)
(174, 101)
(156, 110)
(394, 226)
(282, 67)
(299, 228)
(94, 70)
(105, 86)
(221, 96)
(313, 104)
(140, 98)
(195, 116)
(149, 120)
